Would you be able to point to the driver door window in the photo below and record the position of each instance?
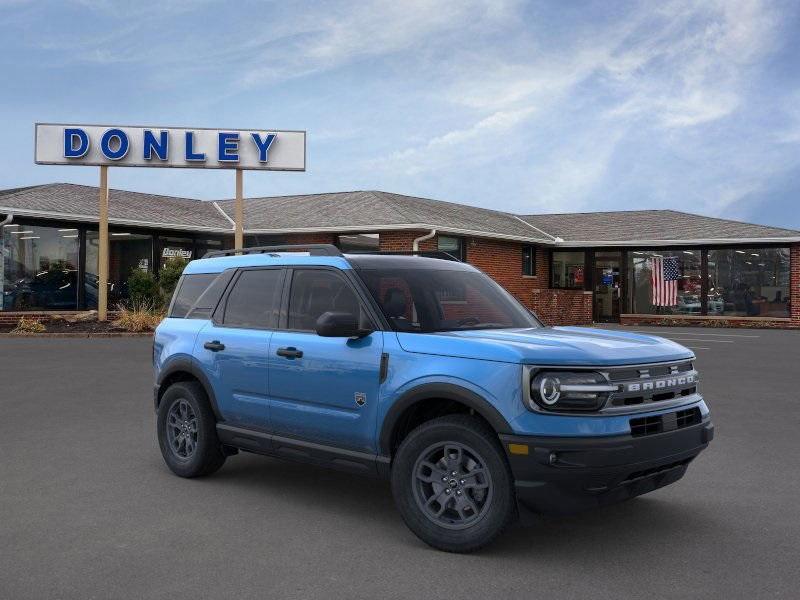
(317, 291)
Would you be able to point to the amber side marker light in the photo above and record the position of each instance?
(518, 449)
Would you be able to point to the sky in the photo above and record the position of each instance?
(530, 107)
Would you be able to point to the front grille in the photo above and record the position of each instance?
(651, 384)
(642, 426)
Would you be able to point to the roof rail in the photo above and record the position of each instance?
(424, 253)
(313, 250)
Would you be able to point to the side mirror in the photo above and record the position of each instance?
(340, 324)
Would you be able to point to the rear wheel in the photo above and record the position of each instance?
(187, 432)
(452, 484)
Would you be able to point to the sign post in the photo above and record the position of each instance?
(175, 147)
(103, 253)
(238, 236)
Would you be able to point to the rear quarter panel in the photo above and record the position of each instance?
(174, 341)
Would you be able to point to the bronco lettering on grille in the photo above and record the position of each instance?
(660, 384)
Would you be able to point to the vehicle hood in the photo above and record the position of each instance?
(547, 346)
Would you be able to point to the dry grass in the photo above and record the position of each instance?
(139, 317)
(26, 325)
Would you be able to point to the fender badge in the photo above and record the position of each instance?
(361, 398)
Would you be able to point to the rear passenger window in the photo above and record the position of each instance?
(253, 301)
(188, 291)
(316, 291)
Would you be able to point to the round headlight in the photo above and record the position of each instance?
(549, 390)
(570, 390)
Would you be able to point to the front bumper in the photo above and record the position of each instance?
(561, 475)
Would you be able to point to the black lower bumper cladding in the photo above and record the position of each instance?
(558, 475)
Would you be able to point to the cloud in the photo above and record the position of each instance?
(463, 146)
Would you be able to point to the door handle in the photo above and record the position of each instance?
(214, 346)
(290, 352)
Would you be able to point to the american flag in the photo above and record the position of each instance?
(664, 279)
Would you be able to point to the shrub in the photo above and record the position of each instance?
(169, 275)
(142, 316)
(143, 288)
(26, 325)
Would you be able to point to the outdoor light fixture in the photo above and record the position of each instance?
(741, 252)
(570, 391)
(118, 234)
(12, 225)
(61, 230)
(30, 237)
(21, 232)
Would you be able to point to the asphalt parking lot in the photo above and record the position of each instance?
(88, 509)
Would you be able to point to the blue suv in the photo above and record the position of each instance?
(423, 371)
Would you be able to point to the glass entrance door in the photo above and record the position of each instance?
(607, 286)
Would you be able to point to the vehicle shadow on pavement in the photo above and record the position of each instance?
(616, 529)
(341, 496)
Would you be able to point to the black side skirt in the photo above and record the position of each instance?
(250, 440)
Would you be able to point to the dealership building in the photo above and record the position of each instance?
(634, 267)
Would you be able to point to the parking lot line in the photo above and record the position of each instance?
(697, 348)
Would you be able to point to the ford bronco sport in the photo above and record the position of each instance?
(423, 371)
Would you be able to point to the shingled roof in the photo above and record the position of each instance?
(365, 211)
(374, 210)
(79, 202)
(643, 226)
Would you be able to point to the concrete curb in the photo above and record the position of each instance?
(121, 334)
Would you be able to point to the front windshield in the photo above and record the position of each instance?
(430, 300)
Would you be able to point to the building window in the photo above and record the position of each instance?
(665, 282)
(205, 245)
(454, 246)
(568, 270)
(529, 260)
(39, 267)
(748, 282)
(127, 252)
(359, 242)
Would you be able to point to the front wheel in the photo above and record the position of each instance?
(187, 431)
(452, 484)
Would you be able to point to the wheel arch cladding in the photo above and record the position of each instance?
(435, 394)
(184, 370)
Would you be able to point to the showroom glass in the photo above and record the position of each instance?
(204, 245)
(687, 301)
(128, 252)
(253, 301)
(317, 291)
(39, 267)
(176, 247)
(748, 282)
(418, 300)
(568, 270)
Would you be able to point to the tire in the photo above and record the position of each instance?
(187, 432)
(480, 502)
